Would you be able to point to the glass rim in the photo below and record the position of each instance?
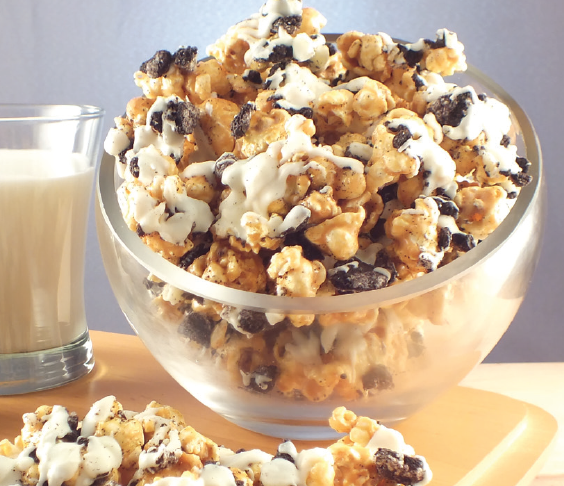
(46, 113)
(168, 272)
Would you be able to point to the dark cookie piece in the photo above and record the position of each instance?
(252, 76)
(197, 327)
(463, 241)
(399, 468)
(450, 111)
(290, 24)
(252, 321)
(447, 207)
(242, 120)
(418, 80)
(263, 379)
(184, 115)
(156, 121)
(523, 163)
(388, 193)
(356, 276)
(332, 48)
(225, 160)
(284, 455)
(310, 251)
(383, 260)
(73, 435)
(33, 455)
(280, 53)
(411, 57)
(505, 141)
(378, 377)
(305, 111)
(426, 262)
(186, 58)
(437, 43)
(402, 135)
(521, 179)
(483, 97)
(158, 65)
(134, 167)
(154, 287)
(379, 230)
(444, 238)
(188, 258)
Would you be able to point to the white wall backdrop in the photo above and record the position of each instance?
(85, 52)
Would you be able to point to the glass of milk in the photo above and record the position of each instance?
(47, 159)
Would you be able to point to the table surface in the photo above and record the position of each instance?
(473, 437)
(541, 384)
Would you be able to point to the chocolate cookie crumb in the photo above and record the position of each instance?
(252, 76)
(356, 276)
(450, 111)
(263, 379)
(252, 321)
(463, 241)
(158, 65)
(399, 468)
(444, 238)
(134, 167)
(184, 115)
(242, 120)
(188, 258)
(378, 377)
(402, 135)
(225, 160)
(197, 327)
(186, 58)
(290, 24)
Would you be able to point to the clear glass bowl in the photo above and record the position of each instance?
(404, 345)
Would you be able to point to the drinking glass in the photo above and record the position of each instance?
(48, 155)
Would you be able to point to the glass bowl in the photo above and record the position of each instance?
(383, 353)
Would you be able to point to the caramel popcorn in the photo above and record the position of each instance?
(287, 165)
(112, 446)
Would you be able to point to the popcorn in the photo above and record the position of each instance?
(287, 165)
(113, 446)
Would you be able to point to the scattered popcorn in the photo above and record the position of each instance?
(111, 446)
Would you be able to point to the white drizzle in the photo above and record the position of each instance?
(258, 181)
(189, 214)
(216, 475)
(435, 159)
(488, 116)
(256, 31)
(99, 412)
(61, 461)
(116, 141)
(297, 86)
(170, 142)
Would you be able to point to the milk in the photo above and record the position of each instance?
(44, 198)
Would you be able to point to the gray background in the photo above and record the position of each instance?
(85, 52)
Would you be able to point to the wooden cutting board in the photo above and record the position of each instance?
(469, 437)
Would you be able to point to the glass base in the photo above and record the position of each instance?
(49, 368)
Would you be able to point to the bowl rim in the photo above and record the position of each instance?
(106, 198)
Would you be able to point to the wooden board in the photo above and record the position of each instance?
(469, 437)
